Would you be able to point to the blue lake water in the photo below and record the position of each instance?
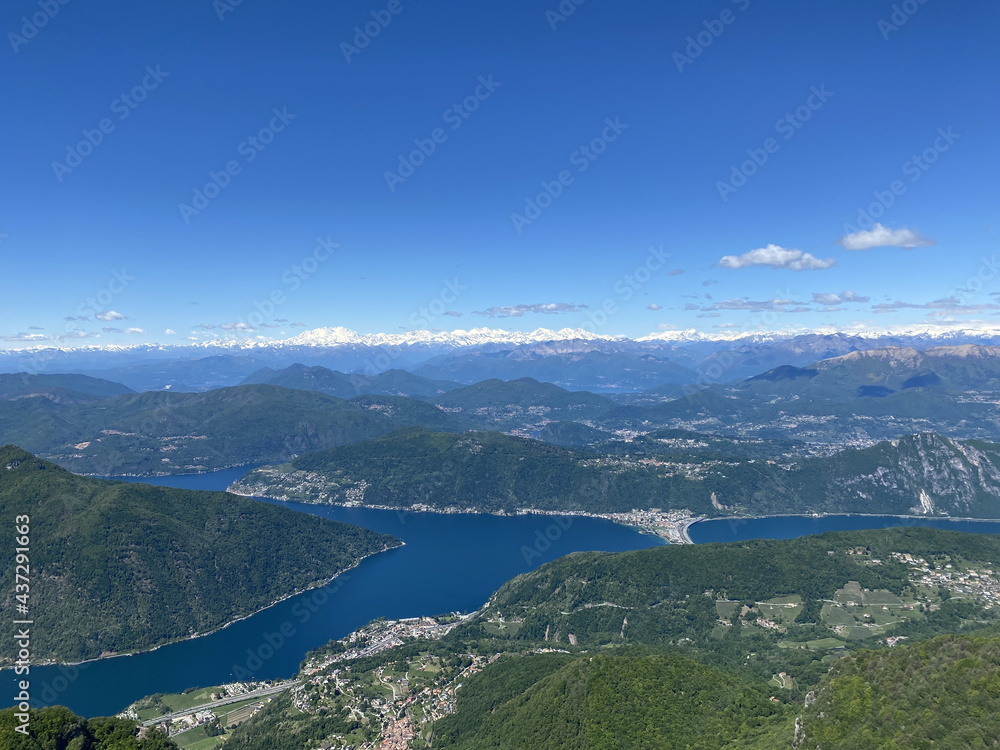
(450, 563)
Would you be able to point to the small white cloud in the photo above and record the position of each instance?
(881, 236)
(134, 330)
(170, 332)
(654, 306)
(837, 299)
(110, 315)
(516, 311)
(776, 256)
(241, 326)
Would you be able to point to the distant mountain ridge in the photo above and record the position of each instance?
(708, 358)
(154, 433)
(923, 474)
(58, 388)
(343, 385)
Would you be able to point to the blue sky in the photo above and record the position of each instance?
(706, 162)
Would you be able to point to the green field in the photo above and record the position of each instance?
(777, 609)
(821, 644)
(850, 593)
(726, 609)
(833, 616)
(502, 628)
(196, 739)
(880, 598)
(174, 702)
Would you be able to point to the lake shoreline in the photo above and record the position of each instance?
(174, 641)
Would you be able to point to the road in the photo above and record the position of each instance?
(224, 702)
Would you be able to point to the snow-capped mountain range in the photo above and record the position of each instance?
(574, 358)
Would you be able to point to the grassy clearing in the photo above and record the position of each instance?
(726, 609)
(835, 616)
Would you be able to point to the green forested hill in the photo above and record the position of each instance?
(925, 474)
(940, 693)
(485, 470)
(167, 433)
(342, 385)
(58, 728)
(119, 566)
(58, 388)
(609, 703)
(711, 647)
(670, 596)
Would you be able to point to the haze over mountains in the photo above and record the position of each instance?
(852, 400)
(586, 361)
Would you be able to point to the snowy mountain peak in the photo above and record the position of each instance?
(340, 336)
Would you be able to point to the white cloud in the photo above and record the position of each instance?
(135, 330)
(881, 236)
(170, 332)
(109, 316)
(837, 299)
(516, 311)
(654, 306)
(241, 326)
(772, 305)
(776, 256)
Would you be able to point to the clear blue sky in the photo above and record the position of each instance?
(864, 99)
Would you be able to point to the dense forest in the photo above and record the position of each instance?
(494, 472)
(161, 432)
(58, 728)
(129, 566)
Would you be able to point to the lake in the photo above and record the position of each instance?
(450, 563)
